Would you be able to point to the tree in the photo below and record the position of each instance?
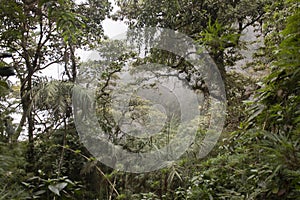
(278, 109)
(217, 25)
(44, 34)
(263, 159)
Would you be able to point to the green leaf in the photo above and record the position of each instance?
(54, 189)
(26, 184)
(39, 192)
(275, 190)
(77, 151)
(4, 88)
(61, 186)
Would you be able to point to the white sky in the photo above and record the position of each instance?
(113, 28)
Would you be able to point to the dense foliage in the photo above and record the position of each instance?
(258, 154)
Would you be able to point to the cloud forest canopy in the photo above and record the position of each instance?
(257, 156)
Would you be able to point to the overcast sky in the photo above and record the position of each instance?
(113, 28)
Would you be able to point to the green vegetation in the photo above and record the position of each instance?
(41, 152)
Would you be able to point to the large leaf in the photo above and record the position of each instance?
(61, 186)
(57, 188)
(54, 189)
